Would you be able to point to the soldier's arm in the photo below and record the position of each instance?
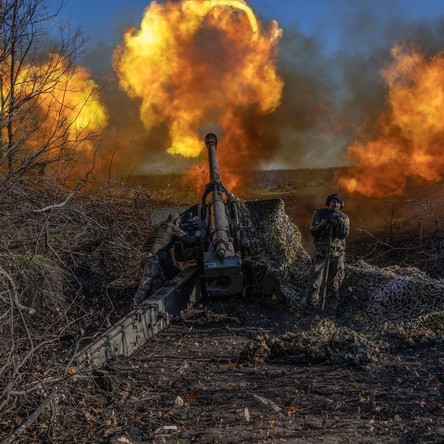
(318, 225)
(343, 228)
(148, 242)
(145, 246)
(182, 236)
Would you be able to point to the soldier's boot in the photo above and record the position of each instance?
(142, 291)
(138, 299)
(331, 305)
(149, 273)
(312, 303)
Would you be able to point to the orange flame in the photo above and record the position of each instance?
(199, 63)
(71, 104)
(409, 146)
(62, 110)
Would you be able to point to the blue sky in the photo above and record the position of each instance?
(104, 20)
(330, 58)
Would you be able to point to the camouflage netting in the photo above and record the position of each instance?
(324, 342)
(391, 293)
(328, 343)
(277, 244)
(274, 228)
(391, 307)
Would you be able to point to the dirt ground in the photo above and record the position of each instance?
(189, 385)
(196, 390)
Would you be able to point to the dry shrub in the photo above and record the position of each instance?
(64, 260)
(40, 285)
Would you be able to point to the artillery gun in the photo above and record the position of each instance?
(219, 266)
(222, 246)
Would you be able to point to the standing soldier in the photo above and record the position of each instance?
(156, 251)
(329, 228)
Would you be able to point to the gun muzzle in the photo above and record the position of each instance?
(211, 143)
(222, 263)
(219, 225)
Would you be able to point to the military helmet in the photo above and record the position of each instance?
(336, 196)
(173, 217)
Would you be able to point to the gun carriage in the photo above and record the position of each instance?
(219, 266)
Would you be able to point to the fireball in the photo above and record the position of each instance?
(409, 146)
(196, 63)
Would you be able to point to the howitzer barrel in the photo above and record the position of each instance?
(211, 143)
(219, 224)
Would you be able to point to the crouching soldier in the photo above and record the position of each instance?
(156, 254)
(329, 228)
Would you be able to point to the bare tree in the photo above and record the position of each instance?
(50, 118)
(43, 94)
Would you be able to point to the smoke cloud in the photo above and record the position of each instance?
(333, 95)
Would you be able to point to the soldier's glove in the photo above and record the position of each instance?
(340, 229)
(331, 216)
(327, 219)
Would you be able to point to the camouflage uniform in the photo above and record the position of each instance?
(322, 219)
(156, 260)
